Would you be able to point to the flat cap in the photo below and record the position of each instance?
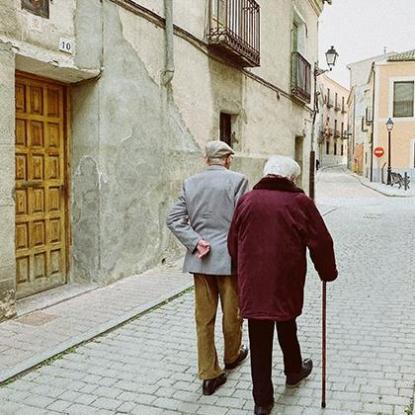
(218, 149)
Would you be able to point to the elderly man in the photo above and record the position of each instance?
(271, 229)
(200, 219)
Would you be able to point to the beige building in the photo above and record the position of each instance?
(331, 130)
(393, 83)
(105, 108)
(360, 110)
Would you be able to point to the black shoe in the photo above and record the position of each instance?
(243, 353)
(263, 410)
(210, 385)
(293, 379)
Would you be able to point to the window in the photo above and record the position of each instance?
(327, 147)
(38, 7)
(225, 128)
(335, 147)
(342, 130)
(335, 129)
(403, 99)
(342, 150)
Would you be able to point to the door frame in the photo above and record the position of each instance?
(67, 153)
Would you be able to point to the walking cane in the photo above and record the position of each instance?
(323, 390)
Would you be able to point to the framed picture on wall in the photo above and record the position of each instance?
(38, 7)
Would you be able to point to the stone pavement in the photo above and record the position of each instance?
(148, 366)
(34, 337)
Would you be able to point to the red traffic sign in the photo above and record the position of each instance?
(379, 151)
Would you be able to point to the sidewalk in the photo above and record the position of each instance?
(37, 336)
(391, 191)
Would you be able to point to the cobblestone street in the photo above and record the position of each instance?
(148, 365)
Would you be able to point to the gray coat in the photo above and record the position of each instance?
(204, 210)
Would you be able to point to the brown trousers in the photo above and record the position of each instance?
(208, 289)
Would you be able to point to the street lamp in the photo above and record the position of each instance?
(389, 127)
(331, 58)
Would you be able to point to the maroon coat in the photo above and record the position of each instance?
(271, 228)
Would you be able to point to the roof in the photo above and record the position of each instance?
(373, 58)
(404, 56)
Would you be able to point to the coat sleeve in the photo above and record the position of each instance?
(233, 238)
(241, 189)
(320, 243)
(178, 222)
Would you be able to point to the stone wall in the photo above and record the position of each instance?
(7, 207)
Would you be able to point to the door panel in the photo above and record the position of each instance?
(40, 185)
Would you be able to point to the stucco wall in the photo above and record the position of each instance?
(403, 132)
(7, 168)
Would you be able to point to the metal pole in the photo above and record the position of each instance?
(311, 190)
(323, 372)
(389, 180)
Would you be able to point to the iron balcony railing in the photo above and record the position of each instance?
(337, 106)
(235, 30)
(300, 77)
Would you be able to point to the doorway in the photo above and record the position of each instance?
(41, 197)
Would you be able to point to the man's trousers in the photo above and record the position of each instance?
(261, 335)
(209, 290)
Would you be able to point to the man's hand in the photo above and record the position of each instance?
(203, 248)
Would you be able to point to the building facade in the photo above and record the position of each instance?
(360, 108)
(332, 122)
(393, 83)
(106, 106)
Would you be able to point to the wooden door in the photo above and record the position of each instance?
(40, 185)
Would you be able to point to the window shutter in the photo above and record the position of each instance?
(403, 99)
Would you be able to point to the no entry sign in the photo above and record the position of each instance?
(379, 151)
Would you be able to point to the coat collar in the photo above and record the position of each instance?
(216, 167)
(277, 183)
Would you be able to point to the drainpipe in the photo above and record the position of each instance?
(169, 63)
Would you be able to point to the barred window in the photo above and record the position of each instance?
(403, 99)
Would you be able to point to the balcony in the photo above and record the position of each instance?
(336, 106)
(235, 31)
(328, 132)
(300, 77)
(329, 102)
(345, 135)
(344, 109)
(336, 133)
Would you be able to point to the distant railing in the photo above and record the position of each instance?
(235, 30)
(300, 77)
(336, 106)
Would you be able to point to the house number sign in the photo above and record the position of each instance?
(65, 45)
(38, 7)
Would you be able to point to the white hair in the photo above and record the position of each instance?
(282, 166)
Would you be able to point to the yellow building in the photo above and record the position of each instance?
(394, 84)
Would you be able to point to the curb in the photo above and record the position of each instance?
(357, 177)
(8, 375)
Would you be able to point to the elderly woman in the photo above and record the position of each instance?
(271, 228)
